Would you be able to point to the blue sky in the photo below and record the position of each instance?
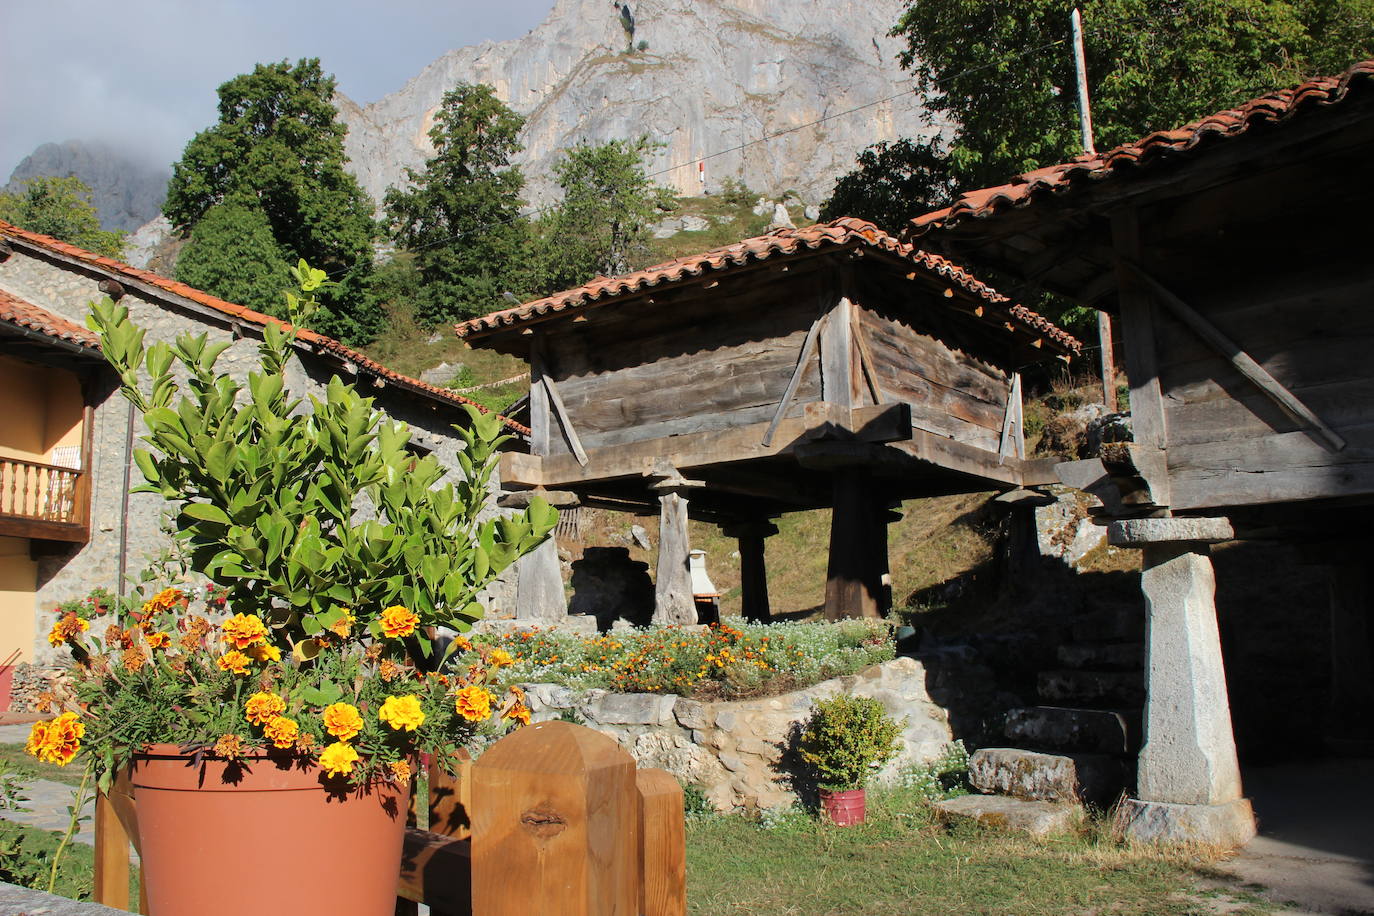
(142, 73)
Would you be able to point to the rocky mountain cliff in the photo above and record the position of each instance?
(125, 192)
(701, 76)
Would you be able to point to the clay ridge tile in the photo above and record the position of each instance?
(1272, 109)
(846, 231)
(318, 341)
(27, 315)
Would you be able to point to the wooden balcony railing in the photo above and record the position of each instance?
(43, 501)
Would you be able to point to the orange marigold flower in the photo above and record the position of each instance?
(244, 630)
(473, 703)
(338, 759)
(281, 731)
(462, 644)
(67, 628)
(229, 747)
(262, 707)
(264, 652)
(45, 702)
(402, 713)
(373, 652)
(164, 600)
(159, 640)
(133, 659)
(518, 713)
(343, 626)
(57, 740)
(389, 670)
(400, 771)
(501, 658)
(342, 720)
(399, 621)
(197, 626)
(234, 661)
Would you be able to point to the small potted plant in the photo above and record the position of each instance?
(845, 741)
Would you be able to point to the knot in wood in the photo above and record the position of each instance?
(544, 822)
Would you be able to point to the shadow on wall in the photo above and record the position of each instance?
(610, 586)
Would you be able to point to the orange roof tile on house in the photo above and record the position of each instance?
(318, 342)
(1160, 148)
(16, 311)
(839, 234)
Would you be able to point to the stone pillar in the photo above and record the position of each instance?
(1188, 779)
(673, 603)
(539, 592)
(1350, 727)
(753, 570)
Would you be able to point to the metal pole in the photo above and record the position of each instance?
(1080, 64)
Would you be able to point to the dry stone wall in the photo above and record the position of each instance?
(742, 753)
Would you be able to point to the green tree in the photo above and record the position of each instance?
(894, 182)
(279, 143)
(233, 254)
(601, 226)
(1003, 73)
(61, 208)
(461, 215)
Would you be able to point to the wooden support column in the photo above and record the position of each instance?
(854, 586)
(673, 602)
(541, 412)
(1350, 724)
(753, 569)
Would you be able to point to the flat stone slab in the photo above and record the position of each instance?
(24, 902)
(1138, 532)
(1116, 656)
(1071, 778)
(1037, 818)
(1228, 826)
(1063, 728)
(1092, 689)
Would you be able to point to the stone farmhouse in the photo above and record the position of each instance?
(68, 522)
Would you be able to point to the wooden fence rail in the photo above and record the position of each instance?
(553, 820)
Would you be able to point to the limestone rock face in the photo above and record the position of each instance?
(125, 192)
(713, 74)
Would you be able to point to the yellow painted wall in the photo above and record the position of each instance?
(18, 581)
(40, 409)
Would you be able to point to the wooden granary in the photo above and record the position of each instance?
(825, 366)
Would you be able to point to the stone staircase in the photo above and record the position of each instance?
(1078, 747)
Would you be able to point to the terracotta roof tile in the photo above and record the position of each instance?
(242, 313)
(841, 233)
(1162, 146)
(27, 315)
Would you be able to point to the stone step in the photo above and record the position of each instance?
(1094, 779)
(1092, 689)
(1073, 730)
(1122, 624)
(1038, 818)
(1115, 656)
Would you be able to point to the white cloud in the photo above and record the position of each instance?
(142, 74)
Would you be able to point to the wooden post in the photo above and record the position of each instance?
(753, 568)
(1104, 340)
(853, 583)
(662, 845)
(450, 799)
(1350, 725)
(673, 602)
(541, 413)
(557, 829)
(112, 846)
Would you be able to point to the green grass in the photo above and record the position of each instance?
(75, 874)
(18, 763)
(902, 862)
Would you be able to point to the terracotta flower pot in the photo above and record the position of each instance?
(270, 836)
(844, 809)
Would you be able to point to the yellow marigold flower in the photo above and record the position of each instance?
(473, 703)
(244, 630)
(342, 626)
(462, 644)
(234, 661)
(282, 732)
(57, 740)
(342, 720)
(402, 713)
(501, 658)
(398, 621)
(164, 600)
(400, 771)
(159, 640)
(264, 652)
(263, 707)
(338, 759)
(229, 747)
(518, 713)
(67, 628)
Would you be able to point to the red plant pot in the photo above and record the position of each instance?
(271, 836)
(844, 809)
